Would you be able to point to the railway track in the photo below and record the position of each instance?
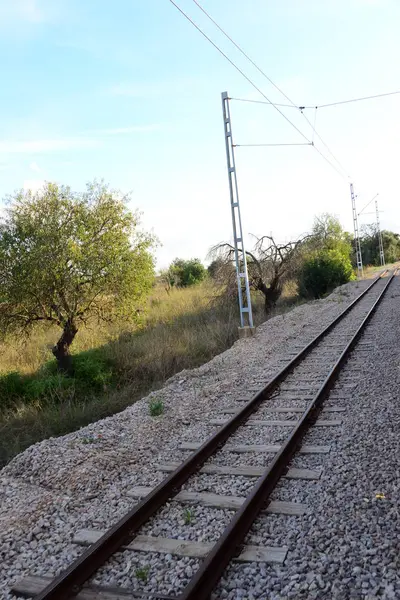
(295, 403)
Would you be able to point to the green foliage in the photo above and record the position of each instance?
(142, 573)
(91, 374)
(184, 273)
(156, 407)
(326, 258)
(12, 387)
(327, 234)
(324, 271)
(47, 386)
(66, 258)
(188, 515)
(92, 369)
(370, 246)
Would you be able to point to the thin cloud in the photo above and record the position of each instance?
(89, 139)
(22, 10)
(129, 129)
(37, 146)
(134, 90)
(156, 88)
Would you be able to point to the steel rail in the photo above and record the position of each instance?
(211, 569)
(68, 583)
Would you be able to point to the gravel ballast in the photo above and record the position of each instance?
(347, 544)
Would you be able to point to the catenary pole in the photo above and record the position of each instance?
(246, 315)
(356, 233)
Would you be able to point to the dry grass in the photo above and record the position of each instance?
(371, 271)
(179, 330)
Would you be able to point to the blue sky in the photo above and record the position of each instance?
(129, 91)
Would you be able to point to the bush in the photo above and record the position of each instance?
(91, 373)
(184, 273)
(12, 387)
(91, 370)
(322, 272)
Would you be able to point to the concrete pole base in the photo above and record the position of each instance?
(246, 332)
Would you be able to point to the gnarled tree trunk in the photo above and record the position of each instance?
(271, 293)
(61, 349)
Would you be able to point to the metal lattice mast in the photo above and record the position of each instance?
(379, 232)
(356, 233)
(240, 253)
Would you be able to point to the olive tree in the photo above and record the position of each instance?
(66, 258)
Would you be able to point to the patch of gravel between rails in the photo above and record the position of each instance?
(171, 522)
(225, 485)
(258, 434)
(80, 480)
(164, 572)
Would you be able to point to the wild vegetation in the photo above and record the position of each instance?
(87, 328)
(270, 266)
(113, 365)
(326, 258)
(183, 273)
(370, 245)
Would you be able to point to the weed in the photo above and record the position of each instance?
(91, 439)
(142, 573)
(188, 516)
(156, 407)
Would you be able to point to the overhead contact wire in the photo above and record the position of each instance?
(356, 100)
(244, 53)
(238, 69)
(276, 87)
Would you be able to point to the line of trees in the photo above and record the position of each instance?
(318, 262)
(370, 245)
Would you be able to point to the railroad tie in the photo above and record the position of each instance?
(189, 548)
(267, 448)
(287, 423)
(247, 471)
(32, 585)
(276, 507)
(231, 410)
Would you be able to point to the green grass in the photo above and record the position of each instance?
(188, 515)
(156, 407)
(142, 573)
(113, 366)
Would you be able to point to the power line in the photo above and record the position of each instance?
(276, 87)
(315, 123)
(243, 52)
(319, 105)
(326, 146)
(355, 100)
(331, 164)
(366, 206)
(263, 102)
(238, 69)
(253, 145)
(255, 86)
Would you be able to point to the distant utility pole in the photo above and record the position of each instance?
(246, 315)
(378, 227)
(356, 233)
